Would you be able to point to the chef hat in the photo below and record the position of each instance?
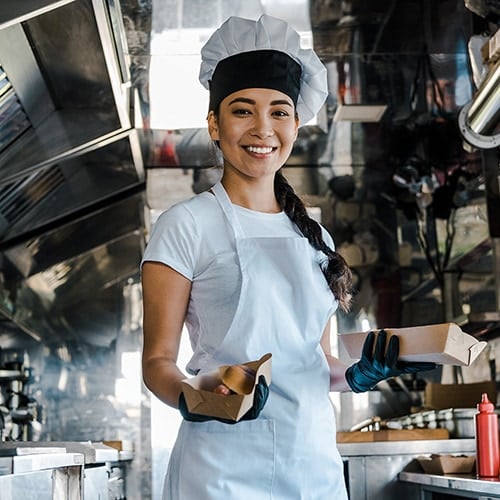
(265, 53)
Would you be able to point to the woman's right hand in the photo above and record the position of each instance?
(222, 390)
(261, 394)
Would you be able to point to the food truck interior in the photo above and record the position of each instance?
(102, 127)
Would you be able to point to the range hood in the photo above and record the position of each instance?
(71, 173)
(66, 283)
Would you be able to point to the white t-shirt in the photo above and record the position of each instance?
(194, 238)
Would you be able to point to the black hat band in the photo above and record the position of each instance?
(270, 69)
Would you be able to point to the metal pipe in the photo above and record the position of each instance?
(484, 112)
(480, 117)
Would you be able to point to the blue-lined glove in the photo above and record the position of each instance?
(380, 364)
(259, 400)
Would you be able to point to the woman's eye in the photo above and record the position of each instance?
(241, 111)
(281, 113)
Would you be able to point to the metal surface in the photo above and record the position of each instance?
(479, 119)
(16, 12)
(463, 485)
(41, 461)
(61, 483)
(92, 453)
(423, 446)
(372, 468)
(95, 484)
(78, 166)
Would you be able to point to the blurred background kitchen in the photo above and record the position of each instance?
(102, 127)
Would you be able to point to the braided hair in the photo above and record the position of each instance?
(336, 271)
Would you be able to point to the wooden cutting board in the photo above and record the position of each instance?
(391, 435)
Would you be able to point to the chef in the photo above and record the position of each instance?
(249, 272)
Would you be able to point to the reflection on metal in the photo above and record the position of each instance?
(479, 119)
(359, 113)
(483, 112)
(488, 321)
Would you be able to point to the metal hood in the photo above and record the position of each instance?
(71, 174)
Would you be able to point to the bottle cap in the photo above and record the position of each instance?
(485, 405)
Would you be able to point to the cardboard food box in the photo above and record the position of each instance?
(447, 464)
(445, 344)
(442, 396)
(391, 435)
(201, 399)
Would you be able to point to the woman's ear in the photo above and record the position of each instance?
(213, 128)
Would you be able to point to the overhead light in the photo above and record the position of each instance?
(359, 113)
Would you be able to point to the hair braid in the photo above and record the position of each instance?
(336, 271)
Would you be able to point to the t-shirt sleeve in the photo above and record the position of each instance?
(174, 241)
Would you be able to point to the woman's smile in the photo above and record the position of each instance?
(260, 150)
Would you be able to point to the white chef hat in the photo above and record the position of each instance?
(265, 53)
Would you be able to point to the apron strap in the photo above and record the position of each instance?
(228, 209)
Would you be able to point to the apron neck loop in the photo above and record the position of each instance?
(228, 209)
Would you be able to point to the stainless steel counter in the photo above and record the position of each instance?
(45, 476)
(49, 470)
(407, 447)
(466, 484)
(372, 468)
(39, 461)
(93, 452)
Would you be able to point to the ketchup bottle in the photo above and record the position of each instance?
(487, 453)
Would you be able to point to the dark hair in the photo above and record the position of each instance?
(336, 271)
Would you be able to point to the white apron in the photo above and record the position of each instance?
(289, 452)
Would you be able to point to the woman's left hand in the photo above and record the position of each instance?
(379, 364)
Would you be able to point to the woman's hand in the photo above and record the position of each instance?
(222, 390)
(259, 400)
(379, 364)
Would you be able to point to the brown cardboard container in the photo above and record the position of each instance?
(447, 464)
(442, 396)
(445, 344)
(201, 399)
(391, 435)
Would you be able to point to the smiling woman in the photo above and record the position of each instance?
(249, 272)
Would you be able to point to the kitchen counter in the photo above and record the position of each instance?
(93, 452)
(468, 485)
(38, 461)
(50, 470)
(372, 468)
(416, 447)
(48, 473)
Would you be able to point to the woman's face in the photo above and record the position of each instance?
(255, 129)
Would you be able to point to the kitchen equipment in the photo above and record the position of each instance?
(458, 421)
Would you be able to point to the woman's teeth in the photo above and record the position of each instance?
(259, 150)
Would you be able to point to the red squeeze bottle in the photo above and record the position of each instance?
(487, 453)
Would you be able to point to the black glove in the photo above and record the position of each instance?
(380, 365)
(259, 400)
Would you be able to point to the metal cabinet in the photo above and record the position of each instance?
(51, 476)
(372, 469)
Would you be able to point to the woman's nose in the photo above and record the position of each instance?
(262, 127)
